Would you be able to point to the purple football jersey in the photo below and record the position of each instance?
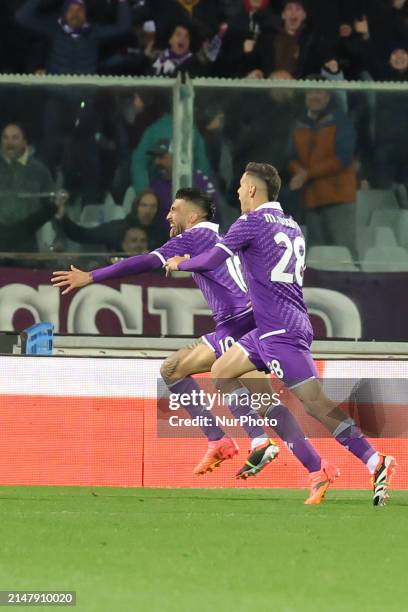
(271, 247)
(223, 288)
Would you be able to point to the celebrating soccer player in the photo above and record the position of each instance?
(272, 250)
(191, 231)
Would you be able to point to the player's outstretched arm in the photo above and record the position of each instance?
(210, 260)
(75, 278)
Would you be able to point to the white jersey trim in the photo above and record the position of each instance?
(273, 333)
(226, 249)
(274, 205)
(214, 227)
(159, 255)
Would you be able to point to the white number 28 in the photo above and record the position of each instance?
(296, 247)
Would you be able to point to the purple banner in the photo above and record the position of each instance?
(341, 305)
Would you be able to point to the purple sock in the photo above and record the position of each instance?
(288, 429)
(210, 430)
(240, 407)
(350, 436)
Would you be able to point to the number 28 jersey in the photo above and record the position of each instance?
(271, 248)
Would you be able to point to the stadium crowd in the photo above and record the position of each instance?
(93, 166)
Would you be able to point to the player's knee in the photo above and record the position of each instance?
(168, 369)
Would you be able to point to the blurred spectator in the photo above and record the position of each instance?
(177, 53)
(74, 41)
(74, 48)
(135, 242)
(162, 156)
(211, 120)
(323, 170)
(136, 55)
(291, 46)
(380, 20)
(204, 16)
(111, 235)
(26, 192)
(266, 119)
(240, 53)
(391, 125)
(180, 57)
(143, 170)
(386, 63)
(136, 111)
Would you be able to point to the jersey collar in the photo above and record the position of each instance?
(214, 227)
(274, 205)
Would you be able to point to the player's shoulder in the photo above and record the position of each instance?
(204, 233)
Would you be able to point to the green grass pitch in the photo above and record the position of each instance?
(173, 550)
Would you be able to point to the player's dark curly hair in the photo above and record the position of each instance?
(269, 175)
(198, 197)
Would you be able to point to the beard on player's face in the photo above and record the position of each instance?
(177, 226)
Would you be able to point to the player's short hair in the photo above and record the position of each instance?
(199, 198)
(269, 175)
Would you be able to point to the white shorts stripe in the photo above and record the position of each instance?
(243, 349)
(204, 339)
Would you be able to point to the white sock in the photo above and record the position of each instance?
(258, 441)
(373, 462)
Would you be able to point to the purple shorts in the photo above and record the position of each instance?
(228, 332)
(288, 357)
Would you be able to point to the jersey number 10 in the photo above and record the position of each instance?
(296, 247)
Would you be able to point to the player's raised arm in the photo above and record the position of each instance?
(76, 278)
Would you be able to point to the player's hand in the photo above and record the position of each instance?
(72, 279)
(171, 264)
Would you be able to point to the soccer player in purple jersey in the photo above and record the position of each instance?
(225, 291)
(272, 250)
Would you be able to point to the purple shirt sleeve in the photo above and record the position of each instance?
(132, 265)
(210, 260)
